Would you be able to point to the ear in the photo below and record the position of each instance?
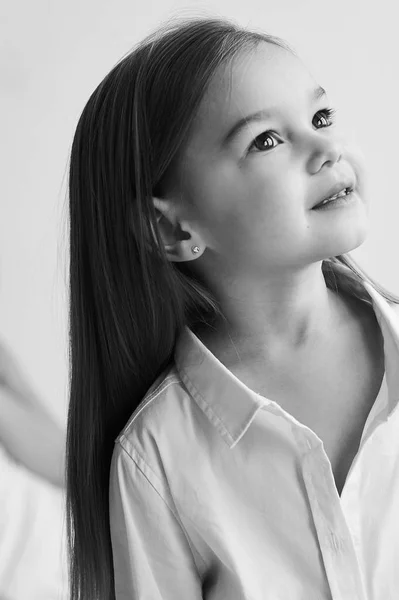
(177, 236)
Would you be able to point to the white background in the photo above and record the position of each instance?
(54, 54)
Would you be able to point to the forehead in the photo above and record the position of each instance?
(264, 77)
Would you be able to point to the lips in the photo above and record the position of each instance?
(335, 189)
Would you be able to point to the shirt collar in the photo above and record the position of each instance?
(231, 406)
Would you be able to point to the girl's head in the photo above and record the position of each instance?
(154, 171)
(243, 187)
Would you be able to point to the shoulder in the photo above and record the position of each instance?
(160, 425)
(395, 307)
(151, 408)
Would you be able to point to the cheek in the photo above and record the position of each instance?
(358, 165)
(355, 158)
(231, 206)
(270, 226)
(277, 206)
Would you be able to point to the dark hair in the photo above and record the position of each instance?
(127, 302)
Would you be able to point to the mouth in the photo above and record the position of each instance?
(340, 193)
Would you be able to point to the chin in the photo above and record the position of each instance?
(342, 244)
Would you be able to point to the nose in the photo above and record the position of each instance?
(324, 150)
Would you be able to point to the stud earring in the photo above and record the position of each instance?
(195, 249)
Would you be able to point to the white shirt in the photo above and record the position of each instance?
(33, 551)
(218, 493)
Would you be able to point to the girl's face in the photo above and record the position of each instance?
(249, 195)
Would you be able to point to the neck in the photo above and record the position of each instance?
(269, 327)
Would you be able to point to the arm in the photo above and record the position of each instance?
(27, 431)
(31, 437)
(152, 556)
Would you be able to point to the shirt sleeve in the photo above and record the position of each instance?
(33, 550)
(151, 553)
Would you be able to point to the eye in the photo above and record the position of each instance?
(261, 143)
(330, 112)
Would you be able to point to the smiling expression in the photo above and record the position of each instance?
(249, 189)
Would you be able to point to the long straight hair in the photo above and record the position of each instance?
(127, 302)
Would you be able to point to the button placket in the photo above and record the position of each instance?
(338, 551)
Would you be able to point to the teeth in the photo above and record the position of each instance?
(339, 195)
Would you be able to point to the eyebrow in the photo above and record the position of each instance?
(260, 115)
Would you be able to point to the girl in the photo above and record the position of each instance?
(228, 357)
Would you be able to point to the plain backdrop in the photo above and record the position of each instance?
(54, 54)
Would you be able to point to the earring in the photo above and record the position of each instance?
(195, 249)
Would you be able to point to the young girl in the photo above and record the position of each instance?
(233, 418)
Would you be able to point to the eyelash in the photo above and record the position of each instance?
(330, 112)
